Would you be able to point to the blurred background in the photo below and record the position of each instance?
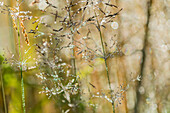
(143, 36)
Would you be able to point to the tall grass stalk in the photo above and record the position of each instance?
(73, 60)
(106, 66)
(22, 80)
(3, 91)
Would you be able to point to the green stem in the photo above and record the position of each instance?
(22, 80)
(73, 61)
(3, 93)
(23, 93)
(101, 39)
(109, 85)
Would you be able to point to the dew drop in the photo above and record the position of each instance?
(114, 25)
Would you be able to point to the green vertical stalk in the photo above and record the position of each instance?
(80, 107)
(73, 61)
(23, 93)
(106, 66)
(3, 92)
(22, 80)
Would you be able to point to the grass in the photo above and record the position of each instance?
(56, 78)
(21, 74)
(2, 87)
(106, 67)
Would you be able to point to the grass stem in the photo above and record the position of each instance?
(106, 66)
(22, 80)
(23, 92)
(3, 92)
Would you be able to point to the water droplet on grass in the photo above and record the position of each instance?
(114, 25)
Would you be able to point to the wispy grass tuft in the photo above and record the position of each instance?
(59, 78)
